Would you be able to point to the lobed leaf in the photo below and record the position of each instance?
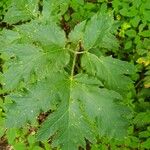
(112, 72)
(97, 31)
(22, 10)
(86, 111)
(26, 106)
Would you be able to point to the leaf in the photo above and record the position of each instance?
(44, 34)
(89, 80)
(102, 105)
(11, 135)
(135, 21)
(2, 128)
(21, 11)
(78, 32)
(144, 134)
(32, 57)
(146, 144)
(25, 107)
(7, 37)
(109, 42)
(75, 119)
(146, 62)
(142, 118)
(54, 8)
(145, 33)
(131, 33)
(98, 28)
(31, 60)
(110, 71)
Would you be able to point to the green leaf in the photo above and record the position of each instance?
(53, 9)
(110, 71)
(124, 11)
(30, 58)
(7, 37)
(110, 42)
(89, 80)
(78, 32)
(145, 33)
(11, 135)
(144, 134)
(128, 45)
(19, 146)
(44, 34)
(2, 128)
(83, 114)
(135, 21)
(146, 144)
(98, 31)
(25, 107)
(21, 11)
(142, 118)
(131, 33)
(34, 58)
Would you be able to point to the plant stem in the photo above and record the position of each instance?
(73, 65)
(76, 52)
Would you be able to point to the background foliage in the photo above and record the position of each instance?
(133, 23)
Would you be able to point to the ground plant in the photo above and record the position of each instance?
(75, 74)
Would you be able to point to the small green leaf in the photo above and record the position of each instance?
(145, 33)
(146, 144)
(131, 33)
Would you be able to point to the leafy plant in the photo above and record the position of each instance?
(46, 71)
(3, 7)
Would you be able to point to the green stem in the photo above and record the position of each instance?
(76, 52)
(73, 65)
